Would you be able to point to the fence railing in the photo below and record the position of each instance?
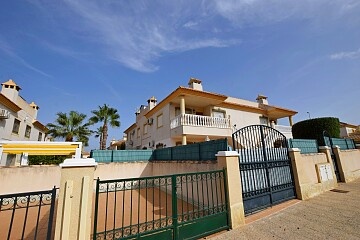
(106, 156)
(160, 206)
(28, 215)
(305, 145)
(197, 151)
(200, 121)
(344, 144)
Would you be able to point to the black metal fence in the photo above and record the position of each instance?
(27, 215)
(182, 206)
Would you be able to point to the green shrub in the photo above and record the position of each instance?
(313, 129)
(46, 159)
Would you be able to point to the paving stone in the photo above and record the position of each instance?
(331, 215)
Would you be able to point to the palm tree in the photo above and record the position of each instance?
(106, 115)
(99, 134)
(70, 126)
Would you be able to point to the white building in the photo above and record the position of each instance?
(18, 120)
(189, 114)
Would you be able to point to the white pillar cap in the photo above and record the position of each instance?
(294, 150)
(227, 154)
(79, 162)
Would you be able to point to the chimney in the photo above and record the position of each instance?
(36, 108)
(11, 90)
(152, 102)
(195, 84)
(262, 99)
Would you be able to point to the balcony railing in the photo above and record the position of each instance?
(200, 121)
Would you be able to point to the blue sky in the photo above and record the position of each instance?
(79, 54)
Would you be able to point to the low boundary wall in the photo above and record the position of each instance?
(349, 163)
(313, 173)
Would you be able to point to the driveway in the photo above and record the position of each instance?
(331, 215)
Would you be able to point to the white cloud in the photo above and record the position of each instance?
(345, 55)
(4, 47)
(137, 33)
(266, 12)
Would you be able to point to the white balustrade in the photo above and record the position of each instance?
(200, 121)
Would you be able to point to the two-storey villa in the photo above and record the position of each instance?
(18, 120)
(190, 114)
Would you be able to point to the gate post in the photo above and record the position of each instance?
(337, 153)
(230, 161)
(73, 218)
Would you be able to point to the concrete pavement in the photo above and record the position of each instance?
(331, 215)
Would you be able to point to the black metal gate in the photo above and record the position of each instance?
(28, 215)
(328, 142)
(181, 206)
(265, 167)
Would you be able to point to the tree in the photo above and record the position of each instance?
(70, 126)
(99, 134)
(106, 115)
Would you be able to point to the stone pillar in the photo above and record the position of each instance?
(326, 150)
(230, 161)
(73, 219)
(337, 153)
(182, 104)
(295, 156)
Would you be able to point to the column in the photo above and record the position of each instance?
(230, 161)
(182, 104)
(184, 142)
(290, 121)
(73, 219)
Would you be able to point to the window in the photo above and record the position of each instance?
(264, 121)
(27, 131)
(187, 111)
(145, 129)
(159, 121)
(16, 126)
(218, 114)
(40, 136)
(138, 132)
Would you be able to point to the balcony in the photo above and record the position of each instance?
(200, 121)
(200, 125)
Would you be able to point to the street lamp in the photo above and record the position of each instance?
(309, 114)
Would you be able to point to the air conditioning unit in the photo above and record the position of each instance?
(150, 121)
(4, 114)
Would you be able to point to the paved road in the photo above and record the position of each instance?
(331, 215)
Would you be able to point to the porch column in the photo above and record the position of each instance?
(290, 121)
(184, 139)
(182, 104)
(73, 218)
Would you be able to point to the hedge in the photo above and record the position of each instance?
(46, 159)
(313, 129)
